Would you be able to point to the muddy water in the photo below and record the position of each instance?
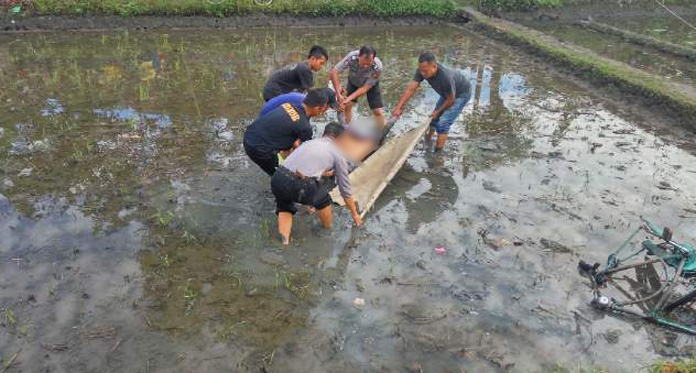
(673, 68)
(661, 26)
(135, 235)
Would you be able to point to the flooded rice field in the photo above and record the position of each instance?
(673, 68)
(136, 236)
(662, 26)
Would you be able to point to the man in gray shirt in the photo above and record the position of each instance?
(454, 91)
(299, 181)
(364, 70)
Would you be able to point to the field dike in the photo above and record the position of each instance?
(676, 99)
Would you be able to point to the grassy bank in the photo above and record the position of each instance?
(524, 5)
(653, 89)
(684, 366)
(222, 8)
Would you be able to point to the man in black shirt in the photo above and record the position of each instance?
(454, 91)
(282, 129)
(297, 77)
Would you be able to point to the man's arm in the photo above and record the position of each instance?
(341, 172)
(359, 92)
(369, 83)
(449, 101)
(408, 93)
(336, 79)
(353, 208)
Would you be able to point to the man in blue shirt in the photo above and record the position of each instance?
(295, 98)
(283, 128)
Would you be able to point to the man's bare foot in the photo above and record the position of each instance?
(284, 240)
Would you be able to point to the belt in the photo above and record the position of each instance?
(296, 174)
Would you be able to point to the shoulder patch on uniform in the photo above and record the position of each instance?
(294, 115)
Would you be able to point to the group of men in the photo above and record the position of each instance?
(283, 131)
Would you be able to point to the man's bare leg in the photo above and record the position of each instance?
(348, 112)
(440, 143)
(379, 117)
(285, 226)
(325, 216)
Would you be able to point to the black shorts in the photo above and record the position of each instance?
(289, 189)
(268, 161)
(374, 96)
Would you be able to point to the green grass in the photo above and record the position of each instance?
(222, 8)
(683, 366)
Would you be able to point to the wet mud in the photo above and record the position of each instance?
(135, 235)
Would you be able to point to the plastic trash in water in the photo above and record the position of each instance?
(440, 250)
(359, 302)
(16, 9)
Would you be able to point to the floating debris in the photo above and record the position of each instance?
(26, 172)
(554, 246)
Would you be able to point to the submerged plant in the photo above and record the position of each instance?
(189, 297)
(188, 237)
(8, 317)
(162, 218)
(164, 260)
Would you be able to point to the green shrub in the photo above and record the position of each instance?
(221, 8)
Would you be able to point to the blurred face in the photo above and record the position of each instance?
(317, 63)
(365, 61)
(427, 69)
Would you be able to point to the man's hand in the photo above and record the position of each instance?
(341, 100)
(353, 207)
(357, 219)
(328, 173)
(397, 112)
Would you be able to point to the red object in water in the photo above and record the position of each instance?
(440, 250)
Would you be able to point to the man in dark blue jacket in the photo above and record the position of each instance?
(284, 128)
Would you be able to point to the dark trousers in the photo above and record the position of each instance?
(270, 92)
(374, 96)
(268, 161)
(289, 188)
